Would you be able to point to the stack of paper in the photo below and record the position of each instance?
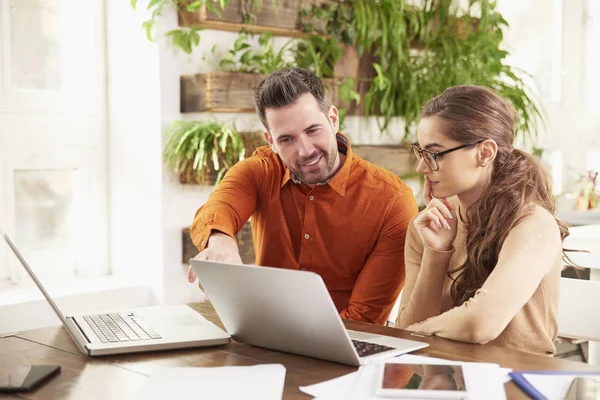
(260, 382)
(483, 381)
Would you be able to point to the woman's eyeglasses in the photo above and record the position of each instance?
(431, 157)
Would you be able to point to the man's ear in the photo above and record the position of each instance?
(487, 152)
(269, 140)
(334, 118)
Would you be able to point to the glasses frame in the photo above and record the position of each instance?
(435, 154)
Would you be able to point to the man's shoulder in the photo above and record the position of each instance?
(264, 153)
(262, 166)
(371, 175)
(264, 158)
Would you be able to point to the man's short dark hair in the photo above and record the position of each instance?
(284, 87)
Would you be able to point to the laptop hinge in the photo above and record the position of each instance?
(77, 334)
(81, 330)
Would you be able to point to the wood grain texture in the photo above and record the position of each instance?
(218, 92)
(279, 13)
(87, 378)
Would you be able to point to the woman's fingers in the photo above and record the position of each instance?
(442, 206)
(449, 206)
(442, 220)
(427, 191)
(428, 217)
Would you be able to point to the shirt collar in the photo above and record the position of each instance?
(337, 182)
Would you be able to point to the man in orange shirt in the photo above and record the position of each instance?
(315, 205)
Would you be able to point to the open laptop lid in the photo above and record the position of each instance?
(277, 308)
(32, 275)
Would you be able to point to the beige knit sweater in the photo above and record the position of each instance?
(515, 308)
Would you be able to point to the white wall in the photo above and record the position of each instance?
(135, 149)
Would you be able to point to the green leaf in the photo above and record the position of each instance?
(214, 10)
(133, 4)
(264, 38)
(147, 26)
(153, 3)
(220, 175)
(194, 6)
(245, 58)
(194, 38)
(239, 42)
(215, 158)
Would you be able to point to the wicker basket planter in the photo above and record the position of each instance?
(219, 92)
(281, 14)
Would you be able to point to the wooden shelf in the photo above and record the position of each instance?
(281, 17)
(235, 27)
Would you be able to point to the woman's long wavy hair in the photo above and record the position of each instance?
(471, 113)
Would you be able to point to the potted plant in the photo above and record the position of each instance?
(418, 52)
(273, 13)
(242, 69)
(202, 151)
(187, 37)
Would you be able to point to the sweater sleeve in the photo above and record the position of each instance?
(530, 251)
(425, 275)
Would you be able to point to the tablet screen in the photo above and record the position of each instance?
(423, 377)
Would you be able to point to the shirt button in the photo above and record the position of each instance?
(306, 236)
(312, 198)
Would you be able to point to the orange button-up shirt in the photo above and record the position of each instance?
(350, 230)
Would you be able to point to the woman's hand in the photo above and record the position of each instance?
(437, 224)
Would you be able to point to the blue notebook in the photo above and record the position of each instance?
(528, 388)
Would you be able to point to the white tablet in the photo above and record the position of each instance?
(421, 381)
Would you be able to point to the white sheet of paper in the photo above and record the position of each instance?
(260, 382)
(553, 387)
(484, 381)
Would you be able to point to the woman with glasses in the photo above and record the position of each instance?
(483, 259)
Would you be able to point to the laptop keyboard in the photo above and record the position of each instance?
(120, 327)
(368, 349)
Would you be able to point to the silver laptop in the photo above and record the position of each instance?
(291, 311)
(133, 330)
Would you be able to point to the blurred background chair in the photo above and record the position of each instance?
(578, 314)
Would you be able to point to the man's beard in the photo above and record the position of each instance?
(325, 174)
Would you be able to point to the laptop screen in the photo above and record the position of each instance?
(32, 275)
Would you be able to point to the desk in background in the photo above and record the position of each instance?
(123, 376)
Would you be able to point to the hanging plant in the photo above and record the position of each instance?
(184, 38)
(194, 149)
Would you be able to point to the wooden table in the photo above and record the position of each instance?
(122, 377)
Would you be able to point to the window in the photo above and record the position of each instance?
(591, 28)
(53, 140)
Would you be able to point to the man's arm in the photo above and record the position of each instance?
(382, 277)
(228, 208)
(231, 203)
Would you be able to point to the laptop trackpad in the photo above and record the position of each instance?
(380, 339)
(362, 335)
